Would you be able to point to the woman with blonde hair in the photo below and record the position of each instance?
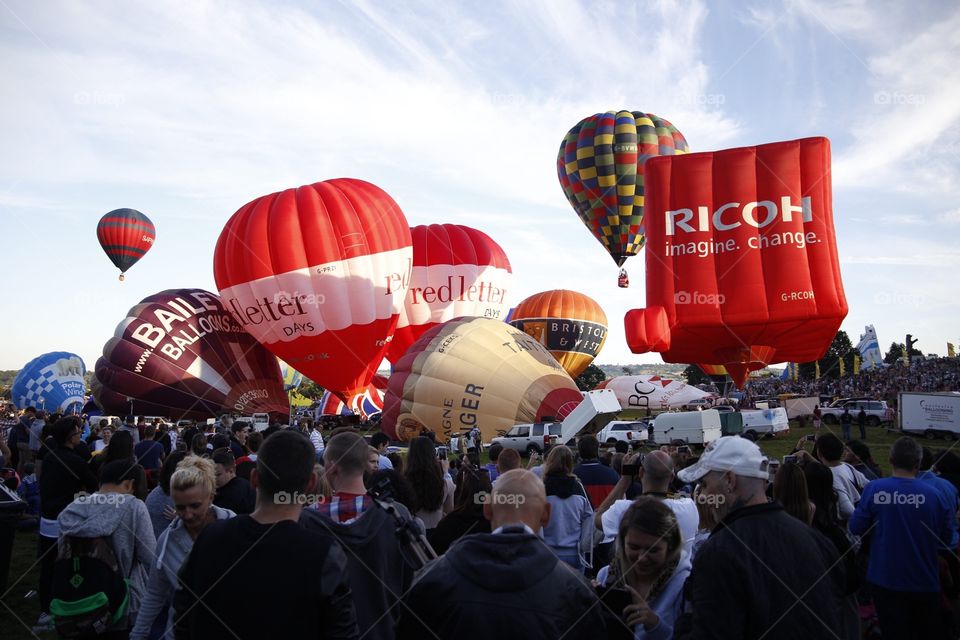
(192, 487)
(569, 534)
(651, 565)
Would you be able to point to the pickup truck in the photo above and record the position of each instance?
(877, 411)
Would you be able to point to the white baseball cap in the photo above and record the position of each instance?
(729, 453)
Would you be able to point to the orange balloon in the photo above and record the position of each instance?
(570, 324)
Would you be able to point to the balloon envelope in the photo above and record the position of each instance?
(568, 323)
(318, 275)
(475, 372)
(742, 265)
(651, 392)
(366, 405)
(601, 170)
(457, 271)
(125, 236)
(291, 377)
(51, 382)
(180, 354)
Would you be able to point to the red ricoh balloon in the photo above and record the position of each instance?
(742, 266)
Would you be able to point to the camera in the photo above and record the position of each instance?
(790, 459)
(441, 453)
(630, 470)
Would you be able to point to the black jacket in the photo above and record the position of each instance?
(504, 586)
(244, 579)
(64, 475)
(237, 495)
(763, 573)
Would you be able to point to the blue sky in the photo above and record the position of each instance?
(188, 110)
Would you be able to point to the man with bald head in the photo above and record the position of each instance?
(655, 474)
(485, 577)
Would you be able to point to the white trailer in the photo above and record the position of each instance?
(762, 422)
(930, 414)
(597, 409)
(690, 427)
(797, 407)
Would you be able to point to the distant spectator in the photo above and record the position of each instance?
(473, 489)
(859, 456)
(790, 490)
(508, 460)
(239, 431)
(433, 488)
(494, 453)
(597, 479)
(159, 503)
(233, 493)
(569, 533)
(149, 452)
(379, 441)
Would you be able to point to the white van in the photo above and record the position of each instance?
(691, 427)
(766, 422)
(261, 421)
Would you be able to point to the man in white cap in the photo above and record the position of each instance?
(762, 573)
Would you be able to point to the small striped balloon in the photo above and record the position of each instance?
(125, 236)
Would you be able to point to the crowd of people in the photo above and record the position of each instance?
(885, 383)
(152, 531)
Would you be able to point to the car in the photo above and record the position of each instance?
(530, 438)
(697, 403)
(628, 431)
(877, 411)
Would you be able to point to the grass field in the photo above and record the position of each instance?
(18, 615)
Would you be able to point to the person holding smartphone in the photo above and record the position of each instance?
(650, 566)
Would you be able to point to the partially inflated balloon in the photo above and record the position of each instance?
(365, 405)
(601, 171)
(291, 377)
(180, 354)
(568, 323)
(651, 392)
(475, 372)
(51, 382)
(125, 236)
(318, 275)
(457, 271)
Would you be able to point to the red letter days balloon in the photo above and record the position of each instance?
(568, 323)
(318, 276)
(475, 372)
(742, 266)
(601, 171)
(180, 354)
(125, 236)
(457, 271)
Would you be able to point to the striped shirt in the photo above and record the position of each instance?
(345, 508)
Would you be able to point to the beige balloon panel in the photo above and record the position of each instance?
(484, 373)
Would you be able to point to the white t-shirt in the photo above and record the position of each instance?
(684, 508)
(846, 481)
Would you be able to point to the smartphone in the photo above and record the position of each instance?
(441, 453)
(683, 449)
(789, 459)
(629, 470)
(615, 598)
(811, 438)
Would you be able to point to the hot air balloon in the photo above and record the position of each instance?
(125, 236)
(367, 404)
(318, 275)
(291, 377)
(742, 266)
(651, 391)
(51, 382)
(179, 353)
(568, 323)
(457, 271)
(475, 372)
(601, 171)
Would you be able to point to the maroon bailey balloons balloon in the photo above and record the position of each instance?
(180, 354)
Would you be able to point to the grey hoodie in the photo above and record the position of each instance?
(124, 520)
(173, 547)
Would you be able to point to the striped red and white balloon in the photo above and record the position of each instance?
(318, 276)
(457, 271)
(125, 236)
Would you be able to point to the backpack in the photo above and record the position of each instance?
(89, 593)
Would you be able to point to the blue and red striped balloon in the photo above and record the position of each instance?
(125, 235)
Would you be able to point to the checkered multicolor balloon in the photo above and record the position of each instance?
(600, 166)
